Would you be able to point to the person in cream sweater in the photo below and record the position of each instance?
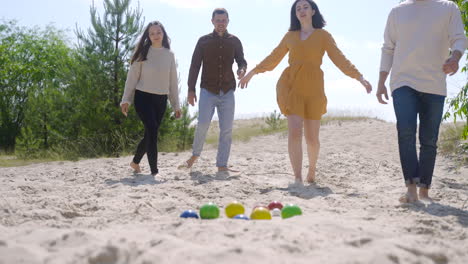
(423, 42)
(151, 80)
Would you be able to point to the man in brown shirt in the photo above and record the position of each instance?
(217, 52)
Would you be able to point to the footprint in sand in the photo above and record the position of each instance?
(68, 240)
(360, 242)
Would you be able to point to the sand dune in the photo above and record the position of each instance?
(98, 211)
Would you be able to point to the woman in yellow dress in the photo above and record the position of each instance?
(300, 89)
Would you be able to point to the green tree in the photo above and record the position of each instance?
(103, 54)
(32, 65)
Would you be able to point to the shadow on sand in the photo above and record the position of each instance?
(302, 191)
(441, 210)
(136, 180)
(201, 178)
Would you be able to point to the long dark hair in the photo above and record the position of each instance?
(142, 48)
(317, 18)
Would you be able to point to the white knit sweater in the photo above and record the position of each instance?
(158, 76)
(418, 37)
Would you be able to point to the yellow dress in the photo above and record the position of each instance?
(300, 89)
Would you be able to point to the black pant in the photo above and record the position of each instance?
(150, 108)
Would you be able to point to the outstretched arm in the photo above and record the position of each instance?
(339, 59)
(269, 63)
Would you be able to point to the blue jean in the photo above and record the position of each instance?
(225, 106)
(408, 103)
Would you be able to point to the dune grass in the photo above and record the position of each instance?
(451, 144)
(243, 130)
(13, 161)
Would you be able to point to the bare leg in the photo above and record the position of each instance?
(424, 194)
(295, 125)
(135, 167)
(411, 195)
(311, 131)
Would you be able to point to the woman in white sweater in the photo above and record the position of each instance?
(152, 78)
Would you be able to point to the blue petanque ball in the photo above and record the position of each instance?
(189, 214)
(241, 216)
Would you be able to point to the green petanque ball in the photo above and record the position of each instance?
(209, 211)
(290, 210)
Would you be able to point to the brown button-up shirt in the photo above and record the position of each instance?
(217, 54)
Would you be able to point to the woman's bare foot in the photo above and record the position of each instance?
(424, 194)
(135, 167)
(311, 176)
(298, 180)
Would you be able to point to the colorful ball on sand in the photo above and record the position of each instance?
(189, 214)
(258, 206)
(276, 212)
(275, 204)
(209, 211)
(234, 209)
(260, 213)
(290, 210)
(241, 217)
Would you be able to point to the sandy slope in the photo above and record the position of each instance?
(97, 211)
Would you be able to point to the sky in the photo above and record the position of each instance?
(357, 27)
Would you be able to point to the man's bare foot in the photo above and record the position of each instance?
(411, 195)
(311, 176)
(188, 163)
(135, 167)
(221, 169)
(424, 194)
(298, 180)
(191, 161)
(407, 198)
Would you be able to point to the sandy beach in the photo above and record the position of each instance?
(99, 211)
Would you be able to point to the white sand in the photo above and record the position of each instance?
(97, 211)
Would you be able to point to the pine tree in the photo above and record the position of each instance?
(107, 46)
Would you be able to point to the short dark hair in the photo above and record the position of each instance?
(317, 19)
(219, 11)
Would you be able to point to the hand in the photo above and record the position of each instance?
(451, 65)
(240, 74)
(382, 90)
(243, 83)
(177, 113)
(192, 98)
(124, 109)
(366, 84)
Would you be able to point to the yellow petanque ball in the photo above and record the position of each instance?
(234, 209)
(260, 213)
